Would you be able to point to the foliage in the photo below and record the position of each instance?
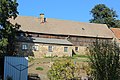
(102, 14)
(87, 69)
(8, 10)
(62, 70)
(104, 57)
(39, 68)
(30, 58)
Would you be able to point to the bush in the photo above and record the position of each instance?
(30, 58)
(39, 68)
(62, 70)
(104, 60)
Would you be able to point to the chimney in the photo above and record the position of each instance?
(41, 18)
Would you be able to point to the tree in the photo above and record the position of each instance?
(104, 15)
(8, 10)
(104, 60)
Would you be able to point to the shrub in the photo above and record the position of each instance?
(62, 70)
(104, 57)
(30, 58)
(39, 68)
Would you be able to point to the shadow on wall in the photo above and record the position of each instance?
(25, 45)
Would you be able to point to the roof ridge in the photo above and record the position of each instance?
(63, 20)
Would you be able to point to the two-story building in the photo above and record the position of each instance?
(42, 36)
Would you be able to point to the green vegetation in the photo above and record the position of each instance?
(39, 68)
(102, 14)
(50, 56)
(62, 70)
(66, 69)
(80, 56)
(104, 60)
(30, 58)
(8, 10)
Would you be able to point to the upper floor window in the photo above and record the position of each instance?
(65, 49)
(50, 48)
(24, 46)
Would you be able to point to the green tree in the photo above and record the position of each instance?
(104, 60)
(8, 10)
(104, 15)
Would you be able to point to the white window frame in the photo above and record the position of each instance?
(24, 46)
(35, 47)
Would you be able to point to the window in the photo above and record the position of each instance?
(76, 49)
(24, 46)
(21, 34)
(35, 47)
(50, 49)
(65, 49)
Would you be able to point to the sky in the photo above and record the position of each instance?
(75, 10)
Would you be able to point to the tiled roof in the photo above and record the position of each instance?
(63, 27)
(116, 32)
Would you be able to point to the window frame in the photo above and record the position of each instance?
(35, 47)
(24, 46)
(76, 49)
(65, 49)
(50, 48)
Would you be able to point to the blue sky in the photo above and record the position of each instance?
(75, 10)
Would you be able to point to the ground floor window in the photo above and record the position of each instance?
(24, 46)
(76, 49)
(65, 49)
(35, 47)
(50, 48)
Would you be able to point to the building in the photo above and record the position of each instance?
(116, 32)
(41, 37)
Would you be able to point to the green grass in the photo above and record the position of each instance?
(39, 68)
(76, 58)
(49, 57)
(81, 60)
(81, 56)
